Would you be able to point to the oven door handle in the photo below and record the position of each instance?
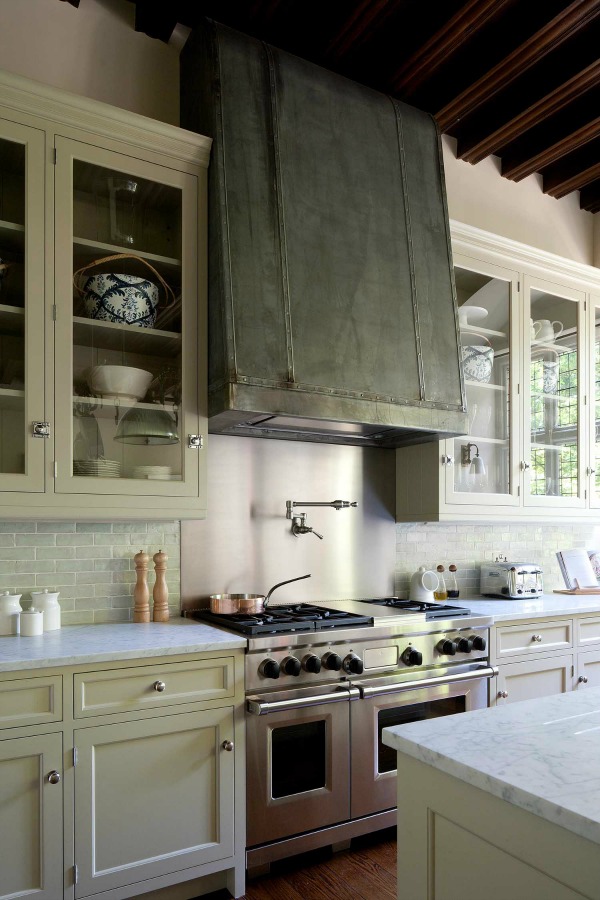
(257, 707)
(475, 674)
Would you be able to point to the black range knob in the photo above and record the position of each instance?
(412, 657)
(269, 668)
(353, 664)
(464, 645)
(332, 662)
(291, 665)
(479, 643)
(447, 647)
(311, 663)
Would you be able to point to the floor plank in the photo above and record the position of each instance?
(365, 872)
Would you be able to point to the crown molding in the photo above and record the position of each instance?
(468, 238)
(63, 108)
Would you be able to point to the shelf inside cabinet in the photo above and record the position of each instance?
(126, 338)
(12, 236)
(477, 330)
(86, 251)
(105, 408)
(11, 399)
(537, 346)
(12, 319)
(486, 386)
(471, 438)
(535, 445)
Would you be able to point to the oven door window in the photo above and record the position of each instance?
(298, 758)
(414, 712)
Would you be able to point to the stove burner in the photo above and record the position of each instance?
(296, 617)
(431, 610)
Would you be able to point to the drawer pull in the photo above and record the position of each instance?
(582, 679)
(159, 686)
(503, 694)
(54, 777)
(227, 745)
(537, 638)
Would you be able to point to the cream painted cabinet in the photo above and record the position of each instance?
(152, 798)
(31, 805)
(529, 336)
(102, 310)
(533, 678)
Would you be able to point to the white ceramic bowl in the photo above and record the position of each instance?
(119, 382)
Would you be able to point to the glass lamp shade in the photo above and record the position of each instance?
(147, 426)
(477, 465)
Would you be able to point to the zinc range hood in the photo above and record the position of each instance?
(332, 310)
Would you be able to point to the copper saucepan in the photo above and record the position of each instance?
(229, 604)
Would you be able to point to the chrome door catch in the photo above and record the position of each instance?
(195, 442)
(41, 429)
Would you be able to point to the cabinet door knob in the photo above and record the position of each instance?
(537, 638)
(582, 679)
(503, 694)
(525, 465)
(54, 777)
(159, 686)
(227, 745)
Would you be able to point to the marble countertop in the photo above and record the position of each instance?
(76, 644)
(543, 607)
(542, 755)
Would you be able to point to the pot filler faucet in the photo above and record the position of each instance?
(299, 525)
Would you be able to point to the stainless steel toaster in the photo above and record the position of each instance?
(511, 580)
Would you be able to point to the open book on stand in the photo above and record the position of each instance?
(581, 570)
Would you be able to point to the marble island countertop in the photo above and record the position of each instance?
(76, 644)
(541, 755)
(539, 608)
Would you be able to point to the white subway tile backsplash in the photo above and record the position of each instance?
(90, 564)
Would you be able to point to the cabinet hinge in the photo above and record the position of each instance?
(518, 286)
(54, 312)
(518, 389)
(75, 874)
(518, 491)
(55, 469)
(54, 155)
(585, 494)
(572, 671)
(74, 756)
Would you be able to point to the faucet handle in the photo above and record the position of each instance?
(316, 533)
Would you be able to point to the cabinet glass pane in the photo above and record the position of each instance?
(12, 307)
(482, 458)
(554, 389)
(127, 323)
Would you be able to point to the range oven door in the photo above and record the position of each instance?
(297, 761)
(396, 701)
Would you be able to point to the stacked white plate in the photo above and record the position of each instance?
(158, 473)
(98, 468)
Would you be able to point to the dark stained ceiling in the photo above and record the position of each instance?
(519, 79)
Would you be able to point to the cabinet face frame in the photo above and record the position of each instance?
(34, 142)
(592, 470)
(451, 496)
(531, 283)
(68, 151)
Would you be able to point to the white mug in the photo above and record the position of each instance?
(545, 331)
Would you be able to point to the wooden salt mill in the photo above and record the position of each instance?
(160, 592)
(141, 593)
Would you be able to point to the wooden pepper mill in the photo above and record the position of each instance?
(141, 593)
(160, 592)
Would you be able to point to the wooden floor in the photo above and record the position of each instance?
(365, 872)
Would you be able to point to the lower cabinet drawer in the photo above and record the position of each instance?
(145, 687)
(521, 640)
(30, 701)
(588, 631)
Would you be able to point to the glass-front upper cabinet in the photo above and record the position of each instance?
(484, 466)
(23, 424)
(593, 470)
(126, 325)
(554, 390)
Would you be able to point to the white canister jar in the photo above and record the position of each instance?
(10, 609)
(32, 622)
(47, 602)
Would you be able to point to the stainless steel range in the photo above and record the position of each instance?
(322, 682)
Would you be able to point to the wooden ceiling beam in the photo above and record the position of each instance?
(367, 15)
(561, 28)
(515, 168)
(459, 30)
(479, 146)
(589, 198)
(561, 182)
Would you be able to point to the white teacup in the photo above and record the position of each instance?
(545, 331)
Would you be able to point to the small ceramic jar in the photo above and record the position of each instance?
(47, 602)
(32, 622)
(10, 610)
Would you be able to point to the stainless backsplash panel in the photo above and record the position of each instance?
(246, 545)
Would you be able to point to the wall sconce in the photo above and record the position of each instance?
(476, 463)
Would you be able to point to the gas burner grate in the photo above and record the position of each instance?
(431, 610)
(283, 619)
